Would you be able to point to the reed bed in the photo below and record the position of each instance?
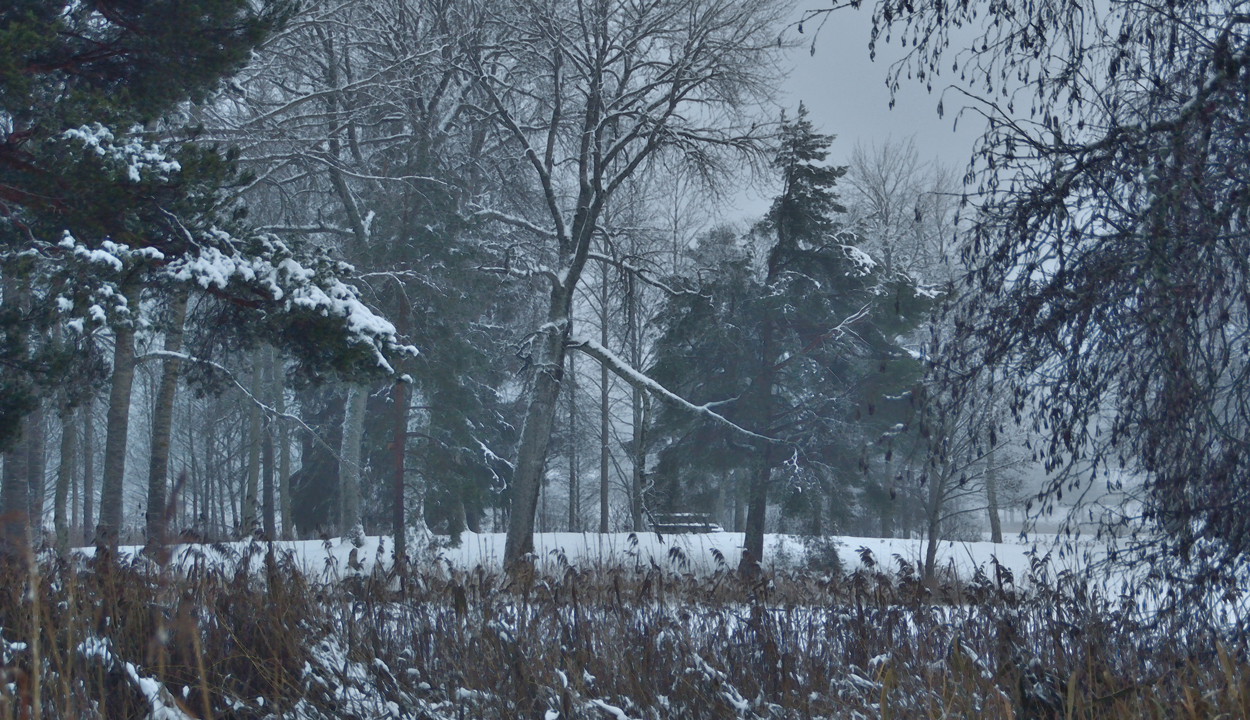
(217, 638)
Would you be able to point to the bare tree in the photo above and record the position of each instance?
(587, 94)
(1108, 251)
(904, 208)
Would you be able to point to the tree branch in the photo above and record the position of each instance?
(622, 369)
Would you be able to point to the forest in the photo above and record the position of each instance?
(406, 225)
(397, 273)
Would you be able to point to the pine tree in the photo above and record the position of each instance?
(105, 67)
(792, 349)
(105, 197)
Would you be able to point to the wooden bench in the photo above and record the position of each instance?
(680, 523)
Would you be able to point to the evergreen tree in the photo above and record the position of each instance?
(793, 349)
(105, 198)
(73, 77)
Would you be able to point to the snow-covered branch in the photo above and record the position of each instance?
(640, 273)
(624, 371)
(837, 332)
(512, 220)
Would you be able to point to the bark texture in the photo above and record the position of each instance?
(353, 433)
(162, 421)
(65, 473)
(108, 530)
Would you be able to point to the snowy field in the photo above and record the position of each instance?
(687, 553)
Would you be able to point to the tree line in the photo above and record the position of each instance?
(412, 263)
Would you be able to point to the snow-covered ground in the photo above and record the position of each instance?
(694, 553)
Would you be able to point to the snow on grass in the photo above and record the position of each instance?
(699, 554)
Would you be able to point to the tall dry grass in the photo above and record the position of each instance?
(219, 638)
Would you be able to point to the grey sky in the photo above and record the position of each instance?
(846, 96)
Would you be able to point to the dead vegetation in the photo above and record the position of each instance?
(219, 639)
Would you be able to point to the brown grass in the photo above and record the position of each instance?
(226, 643)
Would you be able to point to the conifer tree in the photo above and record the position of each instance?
(105, 196)
(793, 348)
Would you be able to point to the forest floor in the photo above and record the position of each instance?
(323, 630)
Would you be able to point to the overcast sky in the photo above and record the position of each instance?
(846, 96)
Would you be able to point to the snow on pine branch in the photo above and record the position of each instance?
(130, 152)
(224, 264)
(296, 286)
(623, 370)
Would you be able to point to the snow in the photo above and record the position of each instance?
(612, 710)
(132, 154)
(864, 263)
(626, 372)
(297, 287)
(164, 706)
(699, 553)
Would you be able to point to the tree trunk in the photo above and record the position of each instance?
(605, 448)
(818, 509)
(761, 475)
(638, 477)
(640, 407)
(88, 469)
(268, 522)
(65, 473)
(544, 396)
(284, 452)
(398, 442)
(75, 517)
(266, 455)
(933, 516)
(247, 524)
(212, 528)
(36, 471)
(757, 504)
(108, 531)
(349, 475)
(15, 498)
(194, 486)
(574, 491)
(740, 518)
(991, 497)
(162, 421)
(930, 550)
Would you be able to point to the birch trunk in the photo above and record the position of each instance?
(162, 421)
(284, 453)
(268, 521)
(266, 456)
(349, 474)
(991, 497)
(108, 531)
